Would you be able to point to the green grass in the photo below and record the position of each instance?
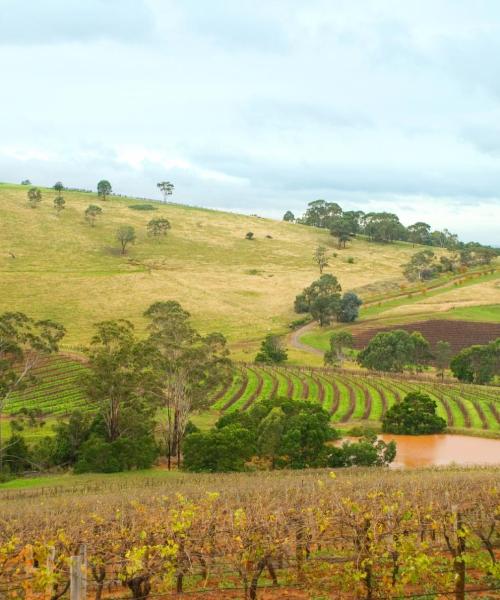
(476, 313)
(239, 287)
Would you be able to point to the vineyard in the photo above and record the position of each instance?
(56, 389)
(353, 534)
(350, 396)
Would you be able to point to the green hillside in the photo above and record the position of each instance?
(61, 267)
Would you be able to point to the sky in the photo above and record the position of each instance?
(259, 106)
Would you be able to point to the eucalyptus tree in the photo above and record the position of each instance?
(24, 344)
(34, 197)
(166, 188)
(104, 189)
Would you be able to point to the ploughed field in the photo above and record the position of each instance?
(459, 334)
(349, 396)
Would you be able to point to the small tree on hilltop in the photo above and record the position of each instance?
(166, 188)
(349, 307)
(157, 227)
(289, 216)
(34, 197)
(415, 415)
(321, 258)
(125, 235)
(91, 213)
(339, 343)
(321, 299)
(59, 187)
(104, 189)
(271, 350)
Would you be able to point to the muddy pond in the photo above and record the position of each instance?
(443, 449)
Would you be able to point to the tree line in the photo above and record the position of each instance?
(379, 227)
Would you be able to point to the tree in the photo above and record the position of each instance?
(339, 343)
(125, 235)
(320, 213)
(420, 266)
(442, 355)
(25, 182)
(383, 227)
(394, 351)
(166, 188)
(349, 307)
(91, 213)
(104, 189)
(271, 350)
(270, 434)
(59, 187)
(59, 203)
(321, 258)
(119, 381)
(187, 368)
(477, 364)
(157, 227)
(289, 216)
(368, 452)
(414, 415)
(24, 343)
(249, 236)
(321, 299)
(16, 454)
(34, 197)
(219, 450)
(342, 229)
(419, 233)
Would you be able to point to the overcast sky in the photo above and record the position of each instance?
(259, 106)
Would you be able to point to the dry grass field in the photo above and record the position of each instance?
(67, 270)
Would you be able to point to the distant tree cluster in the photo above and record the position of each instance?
(396, 351)
(323, 300)
(385, 227)
(275, 434)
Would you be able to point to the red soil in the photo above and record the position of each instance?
(458, 333)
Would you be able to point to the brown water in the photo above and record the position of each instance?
(443, 449)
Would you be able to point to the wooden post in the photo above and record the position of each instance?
(78, 575)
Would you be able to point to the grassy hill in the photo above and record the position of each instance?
(66, 270)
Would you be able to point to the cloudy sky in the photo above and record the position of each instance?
(259, 106)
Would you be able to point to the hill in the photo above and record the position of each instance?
(69, 271)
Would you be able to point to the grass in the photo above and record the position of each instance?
(490, 313)
(66, 270)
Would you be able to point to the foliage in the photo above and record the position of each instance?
(142, 207)
(349, 307)
(442, 356)
(477, 364)
(272, 350)
(187, 367)
(24, 342)
(321, 258)
(320, 213)
(342, 228)
(34, 197)
(91, 213)
(125, 235)
(166, 188)
(59, 203)
(421, 266)
(157, 227)
(395, 351)
(289, 216)
(367, 452)
(339, 343)
(219, 450)
(322, 299)
(249, 235)
(414, 415)
(104, 189)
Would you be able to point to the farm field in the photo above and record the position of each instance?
(62, 268)
(261, 536)
(349, 396)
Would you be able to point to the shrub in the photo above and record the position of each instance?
(415, 415)
(249, 236)
(124, 454)
(142, 207)
(350, 260)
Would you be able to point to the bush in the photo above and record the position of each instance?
(124, 454)
(219, 450)
(142, 207)
(415, 415)
(350, 260)
(368, 452)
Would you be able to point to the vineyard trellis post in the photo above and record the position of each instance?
(78, 575)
